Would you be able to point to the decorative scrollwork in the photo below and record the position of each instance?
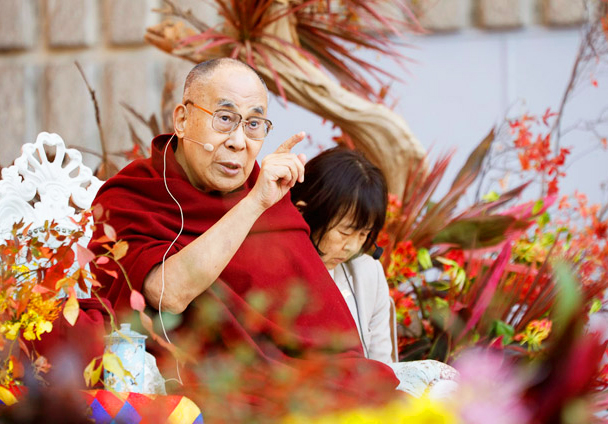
(54, 186)
(47, 183)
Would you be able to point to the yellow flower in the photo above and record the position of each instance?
(29, 333)
(427, 411)
(34, 326)
(10, 330)
(47, 309)
(44, 327)
(20, 269)
(414, 411)
(536, 331)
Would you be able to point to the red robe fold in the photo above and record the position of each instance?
(276, 262)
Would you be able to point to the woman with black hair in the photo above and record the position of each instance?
(343, 199)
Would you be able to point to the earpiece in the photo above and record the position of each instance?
(207, 146)
(377, 252)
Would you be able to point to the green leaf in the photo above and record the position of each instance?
(482, 231)
(538, 206)
(424, 258)
(543, 219)
(596, 305)
(447, 261)
(461, 278)
(547, 239)
(440, 312)
(441, 347)
(501, 328)
(439, 285)
(568, 299)
(441, 303)
(491, 196)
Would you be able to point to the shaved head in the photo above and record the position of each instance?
(204, 70)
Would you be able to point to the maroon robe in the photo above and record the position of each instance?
(276, 259)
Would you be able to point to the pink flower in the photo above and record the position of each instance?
(490, 390)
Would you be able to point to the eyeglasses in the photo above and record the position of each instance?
(226, 121)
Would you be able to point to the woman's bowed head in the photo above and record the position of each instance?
(343, 199)
(344, 202)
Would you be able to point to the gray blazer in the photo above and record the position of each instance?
(363, 285)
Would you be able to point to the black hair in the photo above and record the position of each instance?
(206, 68)
(337, 182)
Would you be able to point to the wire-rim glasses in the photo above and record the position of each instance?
(226, 121)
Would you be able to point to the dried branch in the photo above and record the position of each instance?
(593, 46)
(107, 168)
(184, 14)
(104, 154)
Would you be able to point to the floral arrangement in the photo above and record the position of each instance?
(40, 271)
(488, 276)
(485, 274)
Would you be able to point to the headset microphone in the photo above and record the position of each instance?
(207, 146)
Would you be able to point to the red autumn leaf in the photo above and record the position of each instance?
(18, 370)
(84, 256)
(93, 282)
(40, 289)
(68, 257)
(523, 160)
(110, 272)
(23, 346)
(548, 114)
(65, 283)
(80, 280)
(138, 302)
(102, 239)
(102, 260)
(23, 301)
(44, 252)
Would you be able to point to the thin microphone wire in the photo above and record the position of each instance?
(162, 271)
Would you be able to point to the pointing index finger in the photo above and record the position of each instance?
(291, 142)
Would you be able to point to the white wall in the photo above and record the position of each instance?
(463, 84)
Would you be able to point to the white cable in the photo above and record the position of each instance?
(162, 270)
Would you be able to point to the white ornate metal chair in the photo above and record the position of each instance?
(47, 182)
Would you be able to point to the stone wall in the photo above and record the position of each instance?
(42, 90)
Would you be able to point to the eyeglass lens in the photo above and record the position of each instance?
(226, 121)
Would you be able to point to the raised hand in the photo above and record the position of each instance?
(279, 172)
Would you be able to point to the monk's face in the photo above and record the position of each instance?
(228, 166)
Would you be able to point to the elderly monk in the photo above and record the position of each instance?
(206, 225)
